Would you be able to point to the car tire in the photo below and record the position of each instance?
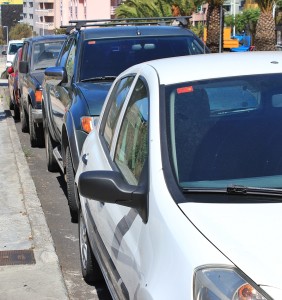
(11, 105)
(52, 164)
(91, 271)
(24, 117)
(16, 112)
(71, 187)
(36, 133)
(32, 132)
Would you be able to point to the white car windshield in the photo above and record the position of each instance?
(226, 132)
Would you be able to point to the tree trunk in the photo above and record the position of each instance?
(265, 33)
(213, 28)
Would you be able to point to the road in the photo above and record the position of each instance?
(51, 190)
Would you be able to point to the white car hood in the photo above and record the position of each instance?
(250, 235)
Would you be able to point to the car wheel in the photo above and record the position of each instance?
(16, 112)
(11, 104)
(71, 188)
(52, 164)
(32, 133)
(91, 271)
(35, 131)
(24, 118)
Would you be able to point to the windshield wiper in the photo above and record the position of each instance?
(247, 190)
(99, 78)
(236, 190)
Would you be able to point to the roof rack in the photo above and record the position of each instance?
(78, 24)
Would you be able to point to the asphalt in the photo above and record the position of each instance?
(29, 266)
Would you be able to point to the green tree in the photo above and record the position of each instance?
(247, 21)
(2, 42)
(265, 39)
(20, 31)
(142, 9)
(59, 30)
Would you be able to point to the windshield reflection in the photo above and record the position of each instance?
(226, 132)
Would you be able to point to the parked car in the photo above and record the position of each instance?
(38, 53)
(13, 47)
(180, 180)
(74, 90)
(13, 86)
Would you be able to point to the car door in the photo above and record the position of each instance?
(23, 85)
(60, 96)
(125, 138)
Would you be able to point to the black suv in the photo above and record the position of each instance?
(38, 53)
(91, 58)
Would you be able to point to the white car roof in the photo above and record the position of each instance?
(15, 41)
(218, 65)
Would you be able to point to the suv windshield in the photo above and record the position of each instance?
(45, 54)
(226, 132)
(102, 58)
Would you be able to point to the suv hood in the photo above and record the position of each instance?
(94, 94)
(248, 234)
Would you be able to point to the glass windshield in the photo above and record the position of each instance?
(45, 54)
(14, 47)
(101, 58)
(226, 132)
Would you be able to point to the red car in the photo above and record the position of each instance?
(13, 84)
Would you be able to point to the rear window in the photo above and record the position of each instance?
(110, 57)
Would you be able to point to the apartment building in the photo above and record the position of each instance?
(44, 16)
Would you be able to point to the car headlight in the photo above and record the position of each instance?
(224, 283)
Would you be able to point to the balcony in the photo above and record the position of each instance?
(45, 12)
(46, 25)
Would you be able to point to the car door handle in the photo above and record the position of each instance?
(85, 158)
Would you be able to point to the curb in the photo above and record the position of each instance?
(44, 279)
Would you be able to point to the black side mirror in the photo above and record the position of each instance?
(110, 187)
(56, 75)
(23, 67)
(4, 52)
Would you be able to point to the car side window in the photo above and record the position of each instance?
(25, 52)
(132, 145)
(70, 62)
(116, 101)
(64, 53)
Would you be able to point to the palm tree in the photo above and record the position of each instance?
(142, 9)
(265, 29)
(213, 25)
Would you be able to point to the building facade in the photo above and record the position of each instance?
(44, 16)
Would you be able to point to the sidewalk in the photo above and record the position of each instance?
(29, 266)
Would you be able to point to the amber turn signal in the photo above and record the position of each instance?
(87, 124)
(38, 96)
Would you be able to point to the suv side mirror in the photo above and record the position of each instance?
(4, 52)
(56, 75)
(23, 67)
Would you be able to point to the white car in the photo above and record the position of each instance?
(12, 49)
(180, 181)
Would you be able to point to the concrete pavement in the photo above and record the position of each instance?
(29, 266)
